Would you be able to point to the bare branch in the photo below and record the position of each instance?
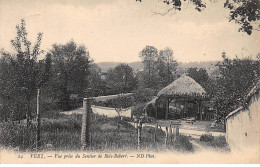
(163, 14)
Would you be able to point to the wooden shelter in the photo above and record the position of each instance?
(182, 90)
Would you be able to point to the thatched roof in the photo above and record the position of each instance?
(183, 86)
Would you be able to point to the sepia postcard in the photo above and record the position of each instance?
(129, 81)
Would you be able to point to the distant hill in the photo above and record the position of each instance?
(203, 64)
(105, 66)
(138, 66)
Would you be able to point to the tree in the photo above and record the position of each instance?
(238, 76)
(70, 69)
(20, 73)
(243, 12)
(199, 75)
(149, 55)
(120, 103)
(95, 82)
(121, 79)
(166, 66)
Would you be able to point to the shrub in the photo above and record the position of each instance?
(219, 141)
(182, 143)
(143, 95)
(206, 138)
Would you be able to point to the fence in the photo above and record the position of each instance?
(171, 128)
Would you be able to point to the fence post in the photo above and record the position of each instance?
(139, 129)
(177, 131)
(166, 137)
(38, 119)
(155, 131)
(170, 133)
(85, 130)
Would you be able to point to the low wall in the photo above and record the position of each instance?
(243, 126)
(111, 112)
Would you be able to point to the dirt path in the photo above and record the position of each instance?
(193, 133)
(106, 111)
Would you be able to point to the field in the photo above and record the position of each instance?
(61, 132)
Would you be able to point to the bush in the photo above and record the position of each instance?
(219, 142)
(143, 95)
(206, 138)
(182, 143)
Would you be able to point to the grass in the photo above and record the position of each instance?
(62, 133)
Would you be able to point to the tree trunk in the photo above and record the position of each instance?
(38, 118)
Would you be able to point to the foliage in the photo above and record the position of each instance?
(237, 78)
(96, 85)
(121, 79)
(216, 142)
(70, 70)
(220, 142)
(21, 75)
(138, 109)
(159, 69)
(206, 137)
(166, 66)
(243, 12)
(149, 55)
(182, 143)
(143, 95)
(201, 77)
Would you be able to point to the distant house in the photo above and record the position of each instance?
(243, 124)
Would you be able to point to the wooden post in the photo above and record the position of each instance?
(166, 137)
(139, 135)
(85, 130)
(38, 118)
(177, 131)
(167, 109)
(170, 132)
(155, 131)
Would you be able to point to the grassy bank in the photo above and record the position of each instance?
(62, 133)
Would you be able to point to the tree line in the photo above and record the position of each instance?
(66, 74)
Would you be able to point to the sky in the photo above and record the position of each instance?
(117, 30)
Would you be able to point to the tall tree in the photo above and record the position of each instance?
(23, 72)
(199, 75)
(149, 55)
(237, 78)
(70, 69)
(121, 79)
(166, 66)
